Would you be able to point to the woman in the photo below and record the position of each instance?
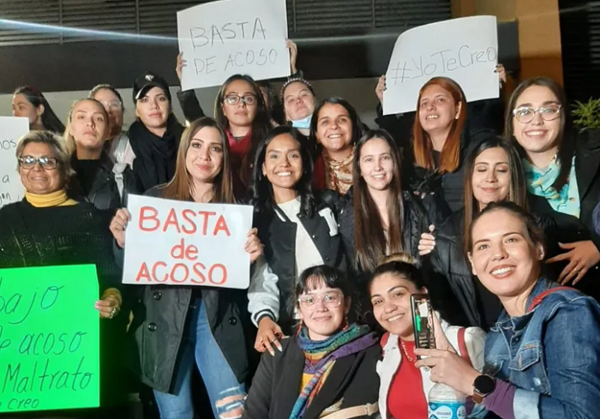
(562, 167)
(379, 218)
(299, 101)
(155, 135)
(30, 103)
(117, 143)
(328, 367)
(542, 357)
(298, 229)
(47, 228)
(493, 173)
(334, 129)
(94, 181)
(172, 325)
(404, 388)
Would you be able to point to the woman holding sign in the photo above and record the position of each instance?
(298, 229)
(176, 326)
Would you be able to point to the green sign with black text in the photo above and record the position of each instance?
(49, 338)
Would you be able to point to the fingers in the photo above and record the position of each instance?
(253, 232)
(431, 228)
(568, 272)
(568, 245)
(558, 258)
(106, 307)
(580, 274)
(426, 244)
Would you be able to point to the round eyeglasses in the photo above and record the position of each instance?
(527, 114)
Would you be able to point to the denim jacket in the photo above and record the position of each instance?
(551, 354)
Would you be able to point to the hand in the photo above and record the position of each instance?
(180, 64)
(108, 307)
(448, 368)
(427, 242)
(253, 245)
(380, 88)
(582, 257)
(268, 336)
(291, 45)
(118, 225)
(501, 74)
(441, 341)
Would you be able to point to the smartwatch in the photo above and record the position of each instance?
(482, 386)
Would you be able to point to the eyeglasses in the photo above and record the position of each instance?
(330, 299)
(548, 113)
(235, 99)
(115, 104)
(46, 162)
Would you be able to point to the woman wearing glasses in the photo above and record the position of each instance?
(561, 166)
(327, 367)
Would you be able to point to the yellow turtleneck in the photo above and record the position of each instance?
(54, 199)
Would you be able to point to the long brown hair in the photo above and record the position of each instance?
(517, 190)
(565, 148)
(181, 186)
(423, 148)
(369, 237)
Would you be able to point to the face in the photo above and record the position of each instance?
(283, 162)
(503, 256)
(491, 176)
(243, 112)
(204, 158)
(298, 101)
(154, 108)
(88, 125)
(36, 179)
(334, 127)
(538, 135)
(113, 107)
(437, 109)
(376, 164)
(322, 309)
(390, 297)
(22, 107)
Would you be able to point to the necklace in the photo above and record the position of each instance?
(406, 352)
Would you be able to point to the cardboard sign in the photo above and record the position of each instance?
(227, 37)
(11, 130)
(465, 50)
(171, 242)
(49, 338)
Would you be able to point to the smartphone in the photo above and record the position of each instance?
(422, 321)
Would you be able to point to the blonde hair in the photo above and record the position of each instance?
(69, 139)
(399, 257)
(56, 143)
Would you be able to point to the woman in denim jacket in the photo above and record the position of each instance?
(542, 359)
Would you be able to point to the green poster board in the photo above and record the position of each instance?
(49, 338)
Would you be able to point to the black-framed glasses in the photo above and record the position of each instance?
(526, 114)
(235, 99)
(46, 162)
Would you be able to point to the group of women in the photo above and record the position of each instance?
(349, 223)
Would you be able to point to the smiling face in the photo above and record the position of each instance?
(153, 108)
(503, 256)
(491, 176)
(390, 297)
(437, 109)
(298, 101)
(283, 162)
(88, 125)
(334, 127)
(376, 164)
(36, 179)
(322, 309)
(204, 158)
(538, 135)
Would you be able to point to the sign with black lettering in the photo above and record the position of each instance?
(49, 338)
(227, 37)
(11, 129)
(465, 50)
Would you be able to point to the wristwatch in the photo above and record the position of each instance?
(482, 386)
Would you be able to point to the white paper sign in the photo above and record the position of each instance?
(227, 37)
(465, 50)
(172, 242)
(11, 130)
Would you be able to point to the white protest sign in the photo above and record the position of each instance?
(465, 50)
(227, 37)
(172, 242)
(11, 129)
